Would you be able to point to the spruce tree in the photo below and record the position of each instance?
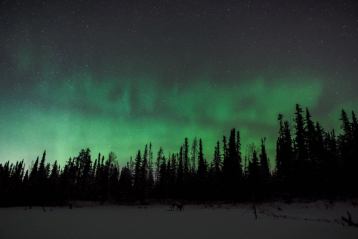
(264, 165)
(186, 156)
(217, 160)
(180, 173)
(194, 154)
(138, 177)
(254, 177)
(300, 142)
(201, 162)
(125, 183)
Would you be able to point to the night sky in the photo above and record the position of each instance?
(114, 75)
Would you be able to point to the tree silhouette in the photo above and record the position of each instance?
(310, 162)
(138, 177)
(217, 161)
(254, 177)
(264, 162)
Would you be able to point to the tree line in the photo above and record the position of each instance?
(310, 162)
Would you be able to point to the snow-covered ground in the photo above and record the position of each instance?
(274, 220)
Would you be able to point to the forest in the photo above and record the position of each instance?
(310, 162)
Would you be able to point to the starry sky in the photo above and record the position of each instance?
(115, 75)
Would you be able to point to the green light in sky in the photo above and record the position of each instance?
(121, 115)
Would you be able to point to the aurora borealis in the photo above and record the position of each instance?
(115, 75)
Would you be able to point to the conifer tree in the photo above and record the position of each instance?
(311, 137)
(180, 173)
(125, 183)
(150, 178)
(217, 160)
(138, 176)
(201, 162)
(254, 173)
(284, 153)
(264, 165)
(300, 143)
(194, 154)
(186, 156)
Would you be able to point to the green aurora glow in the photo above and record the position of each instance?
(115, 76)
(82, 111)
